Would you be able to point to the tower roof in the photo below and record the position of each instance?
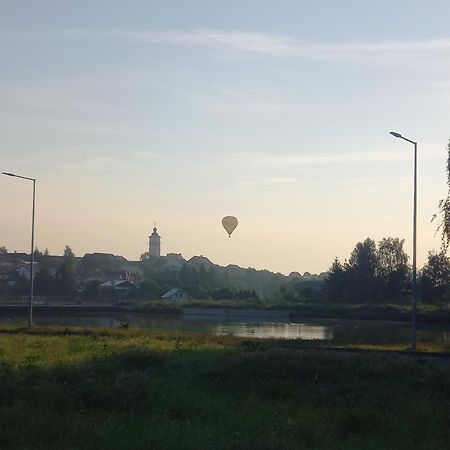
(155, 232)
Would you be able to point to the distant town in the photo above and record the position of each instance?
(111, 278)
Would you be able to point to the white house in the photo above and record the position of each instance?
(176, 294)
(25, 270)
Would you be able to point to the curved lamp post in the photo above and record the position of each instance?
(30, 309)
(414, 286)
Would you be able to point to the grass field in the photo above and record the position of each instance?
(129, 389)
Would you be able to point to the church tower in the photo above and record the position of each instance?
(154, 245)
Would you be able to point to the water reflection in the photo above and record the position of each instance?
(276, 330)
(337, 331)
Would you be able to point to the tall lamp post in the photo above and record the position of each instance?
(414, 286)
(30, 309)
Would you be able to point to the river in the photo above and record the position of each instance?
(333, 330)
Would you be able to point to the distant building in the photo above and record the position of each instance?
(174, 260)
(154, 245)
(201, 260)
(24, 270)
(97, 268)
(122, 287)
(8, 277)
(176, 294)
(175, 257)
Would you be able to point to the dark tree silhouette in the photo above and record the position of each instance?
(393, 269)
(435, 278)
(372, 274)
(335, 286)
(44, 282)
(362, 272)
(67, 276)
(443, 214)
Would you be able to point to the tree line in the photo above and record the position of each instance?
(54, 275)
(204, 283)
(63, 281)
(380, 273)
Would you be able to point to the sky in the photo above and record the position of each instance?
(179, 113)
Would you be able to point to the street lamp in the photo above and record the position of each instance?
(414, 287)
(30, 310)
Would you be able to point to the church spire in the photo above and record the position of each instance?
(154, 245)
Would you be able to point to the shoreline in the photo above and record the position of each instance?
(299, 313)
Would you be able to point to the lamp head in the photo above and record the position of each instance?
(397, 135)
(9, 174)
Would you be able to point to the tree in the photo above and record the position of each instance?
(66, 276)
(92, 290)
(190, 280)
(69, 260)
(203, 278)
(22, 285)
(435, 278)
(213, 278)
(44, 279)
(223, 293)
(3, 250)
(393, 269)
(362, 272)
(372, 273)
(444, 209)
(37, 254)
(335, 286)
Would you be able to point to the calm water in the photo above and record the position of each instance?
(342, 331)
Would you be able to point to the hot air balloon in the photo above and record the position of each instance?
(229, 223)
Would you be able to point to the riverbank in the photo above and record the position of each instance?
(55, 309)
(319, 310)
(113, 389)
(286, 311)
(398, 313)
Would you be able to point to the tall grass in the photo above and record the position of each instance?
(63, 388)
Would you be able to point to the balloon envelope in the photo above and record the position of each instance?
(229, 223)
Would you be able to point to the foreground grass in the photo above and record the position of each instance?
(63, 388)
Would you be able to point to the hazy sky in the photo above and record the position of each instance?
(182, 112)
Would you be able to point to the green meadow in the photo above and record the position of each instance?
(68, 388)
